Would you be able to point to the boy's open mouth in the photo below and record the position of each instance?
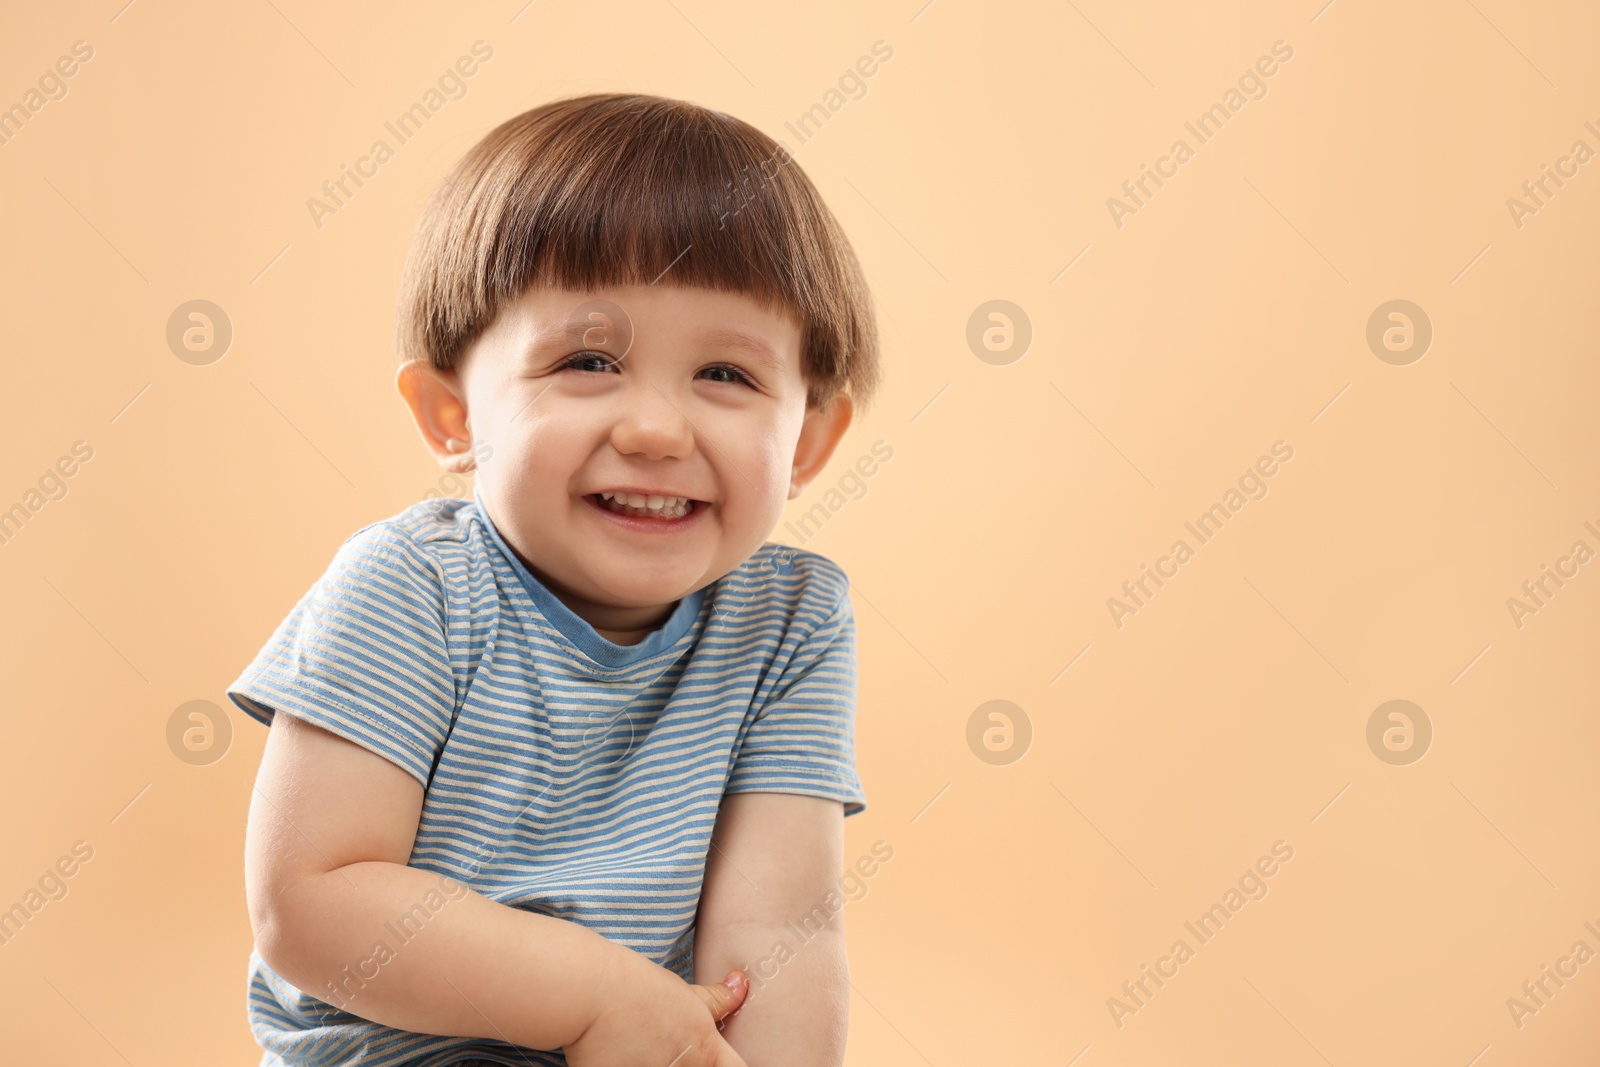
(636, 505)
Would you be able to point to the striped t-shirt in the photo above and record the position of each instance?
(564, 773)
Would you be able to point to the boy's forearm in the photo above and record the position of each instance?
(413, 950)
(798, 1010)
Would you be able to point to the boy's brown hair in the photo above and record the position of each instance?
(631, 189)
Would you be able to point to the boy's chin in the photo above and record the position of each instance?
(624, 590)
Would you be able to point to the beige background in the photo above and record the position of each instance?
(1226, 314)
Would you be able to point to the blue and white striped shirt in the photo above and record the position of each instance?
(563, 773)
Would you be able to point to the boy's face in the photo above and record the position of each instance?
(567, 395)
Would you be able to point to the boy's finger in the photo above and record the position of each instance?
(727, 996)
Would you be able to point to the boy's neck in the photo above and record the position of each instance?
(620, 626)
(628, 637)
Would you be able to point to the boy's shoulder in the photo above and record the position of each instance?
(423, 539)
(799, 580)
(776, 558)
(432, 525)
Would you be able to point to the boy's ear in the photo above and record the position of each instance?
(440, 411)
(819, 435)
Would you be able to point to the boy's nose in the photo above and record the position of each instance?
(651, 424)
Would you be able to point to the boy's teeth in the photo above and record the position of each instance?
(673, 507)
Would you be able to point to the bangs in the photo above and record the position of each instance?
(621, 189)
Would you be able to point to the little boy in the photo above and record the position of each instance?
(559, 758)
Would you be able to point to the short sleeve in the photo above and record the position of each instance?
(802, 740)
(365, 653)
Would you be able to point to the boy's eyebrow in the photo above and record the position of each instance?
(757, 348)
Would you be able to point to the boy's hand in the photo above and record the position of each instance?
(651, 1016)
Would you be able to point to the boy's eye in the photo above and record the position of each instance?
(738, 375)
(591, 357)
(599, 363)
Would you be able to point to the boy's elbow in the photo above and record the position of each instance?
(272, 942)
(280, 919)
(274, 937)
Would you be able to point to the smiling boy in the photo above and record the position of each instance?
(559, 758)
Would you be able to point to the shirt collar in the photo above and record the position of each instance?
(577, 629)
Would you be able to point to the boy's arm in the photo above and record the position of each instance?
(773, 875)
(338, 913)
